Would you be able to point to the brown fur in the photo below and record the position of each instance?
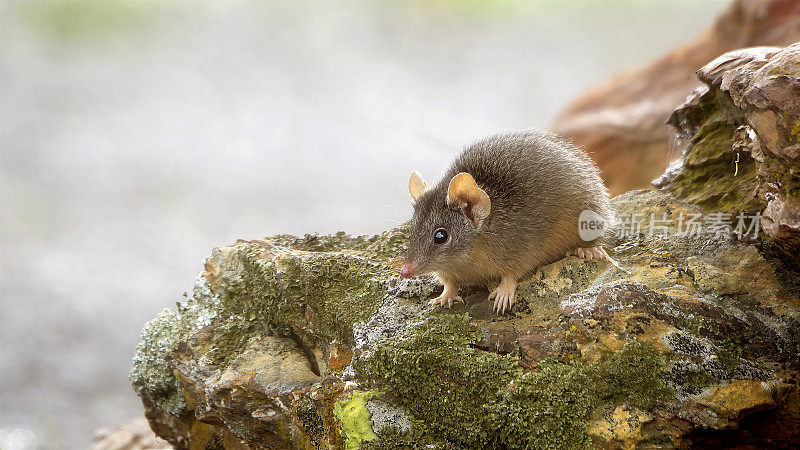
(538, 185)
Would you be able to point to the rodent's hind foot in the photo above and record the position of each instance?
(446, 300)
(504, 295)
(589, 253)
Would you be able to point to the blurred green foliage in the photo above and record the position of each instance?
(84, 19)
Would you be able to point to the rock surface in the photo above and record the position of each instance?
(621, 120)
(317, 343)
(740, 139)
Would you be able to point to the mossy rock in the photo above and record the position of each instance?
(283, 338)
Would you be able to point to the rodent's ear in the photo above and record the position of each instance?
(416, 185)
(465, 195)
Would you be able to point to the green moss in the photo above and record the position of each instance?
(441, 380)
(709, 177)
(336, 289)
(355, 418)
(631, 375)
(550, 408)
(699, 379)
(710, 143)
(254, 297)
(465, 396)
(387, 245)
(783, 70)
(729, 344)
(309, 414)
(324, 243)
(545, 409)
(230, 337)
(582, 273)
(315, 296)
(729, 354)
(392, 244)
(396, 439)
(256, 292)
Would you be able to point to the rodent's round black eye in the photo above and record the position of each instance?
(440, 236)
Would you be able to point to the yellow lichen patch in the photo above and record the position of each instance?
(660, 276)
(654, 333)
(355, 419)
(595, 343)
(738, 397)
(611, 342)
(623, 427)
(551, 280)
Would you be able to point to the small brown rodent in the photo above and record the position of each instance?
(507, 205)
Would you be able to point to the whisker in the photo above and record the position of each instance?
(390, 220)
(390, 206)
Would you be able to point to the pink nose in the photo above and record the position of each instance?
(407, 271)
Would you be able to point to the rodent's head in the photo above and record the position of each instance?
(445, 224)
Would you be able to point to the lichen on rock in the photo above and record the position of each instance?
(266, 316)
(355, 419)
(151, 374)
(552, 407)
(440, 378)
(274, 338)
(743, 148)
(315, 342)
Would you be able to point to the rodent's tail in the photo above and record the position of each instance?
(612, 260)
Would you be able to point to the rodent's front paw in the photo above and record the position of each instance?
(446, 300)
(504, 298)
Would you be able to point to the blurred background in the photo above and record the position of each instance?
(136, 136)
